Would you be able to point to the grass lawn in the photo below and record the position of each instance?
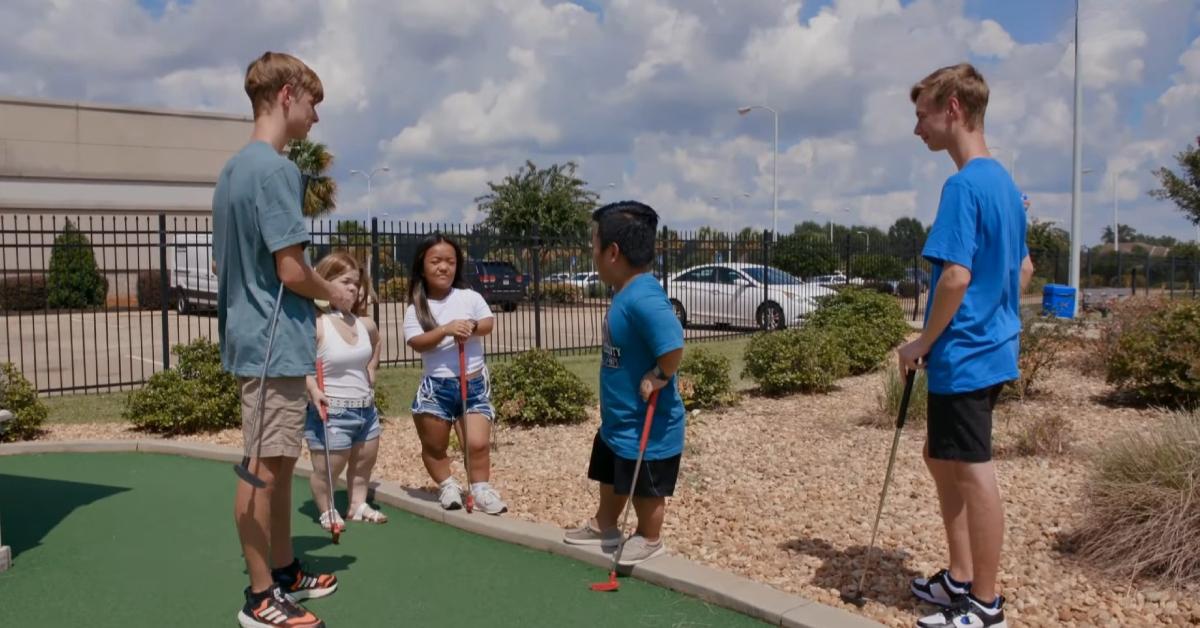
(398, 383)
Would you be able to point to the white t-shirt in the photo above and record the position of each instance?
(442, 360)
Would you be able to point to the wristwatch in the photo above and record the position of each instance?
(660, 375)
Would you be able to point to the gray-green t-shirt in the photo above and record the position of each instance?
(256, 212)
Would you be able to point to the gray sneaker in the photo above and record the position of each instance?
(450, 495)
(637, 549)
(587, 533)
(487, 499)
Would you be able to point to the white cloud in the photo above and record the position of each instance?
(992, 40)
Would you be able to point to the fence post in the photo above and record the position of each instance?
(1171, 278)
(1133, 281)
(663, 257)
(375, 267)
(537, 287)
(164, 290)
(916, 279)
(766, 256)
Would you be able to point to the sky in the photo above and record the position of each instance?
(643, 95)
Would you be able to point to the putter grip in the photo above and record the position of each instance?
(321, 409)
(908, 386)
(649, 420)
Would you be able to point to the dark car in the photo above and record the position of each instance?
(498, 282)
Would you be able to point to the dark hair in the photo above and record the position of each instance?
(417, 293)
(632, 226)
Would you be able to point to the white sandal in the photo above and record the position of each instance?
(368, 514)
(325, 517)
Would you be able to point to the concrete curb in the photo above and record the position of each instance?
(673, 572)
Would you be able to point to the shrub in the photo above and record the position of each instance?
(876, 267)
(394, 290)
(704, 380)
(194, 396)
(561, 293)
(74, 279)
(1042, 342)
(1142, 504)
(1157, 356)
(1049, 436)
(536, 389)
(26, 291)
(807, 359)
(867, 325)
(893, 392)
(149, 290)
(18, 396)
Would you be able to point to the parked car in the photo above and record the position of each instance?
(499, 282)
(734, 294)
(191, 273)
(836, 279)
(918, 276)
(558, 278)
(584, 280)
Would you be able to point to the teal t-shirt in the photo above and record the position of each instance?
(256, 212)
(639, 328)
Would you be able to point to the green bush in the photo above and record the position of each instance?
(807, 359)
(561, 293)
(149, 290)
(195, 396)
(1142, 504)
(876, 267)
(394, 290)
(1043, 340)
(704, 380)
(1157, 356)
(24, 291)
(893, 392)
(536, 389)
(1048, 436)
(74, 279)
(866, 324)
(18, 396)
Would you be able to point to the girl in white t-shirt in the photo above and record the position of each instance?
(443, 312)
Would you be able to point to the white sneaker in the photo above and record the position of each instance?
(450, 494)
(638, 549)
(966, 612)
(487, 499)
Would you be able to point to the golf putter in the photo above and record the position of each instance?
(243, 469)
(856, 598)
(334, 529)
(469, 500)
(612, 584)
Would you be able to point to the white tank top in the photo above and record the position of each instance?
(345, 363)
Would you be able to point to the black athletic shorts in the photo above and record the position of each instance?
(959, 426)
(656, 479)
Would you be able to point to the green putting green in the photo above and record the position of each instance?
(133, 539)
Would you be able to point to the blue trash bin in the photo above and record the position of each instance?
(1058, 300)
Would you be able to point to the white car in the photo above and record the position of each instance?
(193, 283)
(836, 279)
(584, 280)
(735, 295)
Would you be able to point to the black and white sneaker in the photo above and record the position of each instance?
(968, 612)
(939, 589)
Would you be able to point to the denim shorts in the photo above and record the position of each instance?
(441, 397)
(347, 427)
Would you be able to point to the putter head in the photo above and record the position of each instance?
(611, 585)
(470, 503)
(337, 534)
(243, 472)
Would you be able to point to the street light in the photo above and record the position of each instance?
(774, 169)
(368, 178)
(1076, 174)
(845, 210)
(868, 234)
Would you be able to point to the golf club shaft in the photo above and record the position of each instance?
(637, 467)
(887, 478)
(325, 427)
(262, 382)
(462, 388)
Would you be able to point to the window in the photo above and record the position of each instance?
(706, 275)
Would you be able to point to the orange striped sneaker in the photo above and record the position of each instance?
(299, 585)
(273, 609)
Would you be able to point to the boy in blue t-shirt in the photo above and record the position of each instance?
(643, 346)
(969, 344)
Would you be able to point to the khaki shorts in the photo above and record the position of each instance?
(283, 416)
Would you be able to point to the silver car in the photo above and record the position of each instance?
(742, 295)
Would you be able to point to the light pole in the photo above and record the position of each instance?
(1076, 173)
(844, 209)
(368, 178)
(1116, 225)
(868, 234)
(774, 169)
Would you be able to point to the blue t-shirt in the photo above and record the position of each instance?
(980, 225)
(256, 212)
(639, 328)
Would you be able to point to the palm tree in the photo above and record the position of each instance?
(314, 160)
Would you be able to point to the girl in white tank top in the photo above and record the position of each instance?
(348, 348)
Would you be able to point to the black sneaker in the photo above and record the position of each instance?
(967, 612)
(299, 585)
(938, 589)
(273, 609)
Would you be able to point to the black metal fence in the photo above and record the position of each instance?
(157, 291)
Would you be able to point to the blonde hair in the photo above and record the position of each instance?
(961, 81)
(338, 263)
(267, 74)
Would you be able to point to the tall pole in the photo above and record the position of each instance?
(1116, 225)
(774, 169)
(367, 176)
(1076, 175)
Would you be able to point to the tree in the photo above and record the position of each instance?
(356, 240)
(1048, 247)
(74, 279)
(553, 199)
(1183, 189)
(313, 160)
(907, 233)
(1128, 234)
(804, 255)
